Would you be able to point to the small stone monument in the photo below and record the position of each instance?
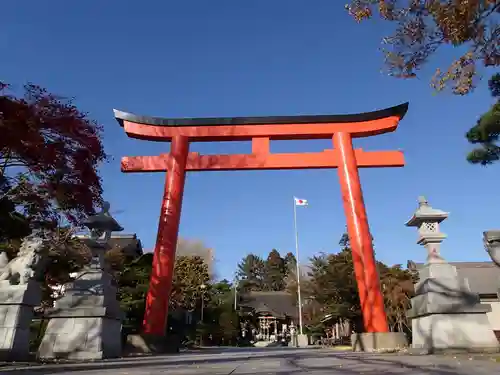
(293, 335)
(19, 294)
(445, 314)
(86, 322)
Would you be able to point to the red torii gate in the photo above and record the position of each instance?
(261, 130)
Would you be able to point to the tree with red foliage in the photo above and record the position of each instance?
(49, 154)
(421, 28)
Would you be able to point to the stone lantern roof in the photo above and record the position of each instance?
(103, 221)
(425, 213)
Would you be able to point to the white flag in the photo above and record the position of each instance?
(300, 202)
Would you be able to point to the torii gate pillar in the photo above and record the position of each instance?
(160, 285)
(360, 239)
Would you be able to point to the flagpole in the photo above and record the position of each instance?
(299, 297)
(235, 294)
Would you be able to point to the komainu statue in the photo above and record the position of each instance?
(491, 241)
(26, 265)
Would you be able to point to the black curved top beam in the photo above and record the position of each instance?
(399, 111)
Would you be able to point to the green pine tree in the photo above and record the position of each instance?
(487, 130)
(250, 273)
(275, 272)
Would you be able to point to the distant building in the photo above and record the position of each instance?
(275, 313)
(128, 243)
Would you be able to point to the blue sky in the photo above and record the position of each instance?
(255, 58)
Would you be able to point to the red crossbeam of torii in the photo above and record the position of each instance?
(261, 130)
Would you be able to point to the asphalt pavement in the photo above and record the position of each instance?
(269, 361)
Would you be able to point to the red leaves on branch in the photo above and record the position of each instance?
(50, 152)
(424, 26)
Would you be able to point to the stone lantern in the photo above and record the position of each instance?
(86, 322)
(100, 226)
(445, 313)
(427, 220)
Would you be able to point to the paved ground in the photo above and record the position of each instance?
(282, 361)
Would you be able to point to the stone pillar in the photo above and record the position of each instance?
(86, 322)
(16, 313)
(445, 313)
(293, 335)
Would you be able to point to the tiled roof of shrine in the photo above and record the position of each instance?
(277, 304)
(129, 243)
